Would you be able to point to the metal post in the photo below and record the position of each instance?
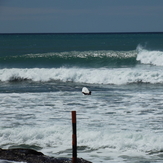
(74, 137)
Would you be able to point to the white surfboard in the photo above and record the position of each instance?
(86, 91)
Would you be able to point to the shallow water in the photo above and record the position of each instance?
(117, 123)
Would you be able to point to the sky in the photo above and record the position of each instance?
(80, 16)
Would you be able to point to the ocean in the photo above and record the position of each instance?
(41, 79)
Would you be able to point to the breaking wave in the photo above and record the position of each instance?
(82, 75)
(149, 57)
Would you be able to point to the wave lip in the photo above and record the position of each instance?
(150, 57)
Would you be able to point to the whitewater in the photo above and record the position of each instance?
(113, 125)
(122, 120)
(147, 70)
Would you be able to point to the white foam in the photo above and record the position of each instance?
(85, 54)
(150, 57)
(56, 141)
(106, 129)
(81, 75)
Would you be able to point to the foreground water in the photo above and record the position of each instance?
(122, 121)
(114, 124)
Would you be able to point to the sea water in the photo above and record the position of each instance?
(41, 78)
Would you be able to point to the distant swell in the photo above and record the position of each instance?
(91, 59)
(85, 59)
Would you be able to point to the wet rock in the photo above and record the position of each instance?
(32, 156)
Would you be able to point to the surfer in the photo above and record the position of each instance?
(86, 91)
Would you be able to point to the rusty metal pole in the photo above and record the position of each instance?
(74, 138)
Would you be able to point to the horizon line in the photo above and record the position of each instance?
(78, 33)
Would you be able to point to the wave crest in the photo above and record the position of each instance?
(149, 57)
(93, 59)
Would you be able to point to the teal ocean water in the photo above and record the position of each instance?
(41, 78)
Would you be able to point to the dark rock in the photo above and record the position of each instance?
(32, 156)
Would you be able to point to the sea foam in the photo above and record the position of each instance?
(103, 75)
(81, 75)
(150, 57)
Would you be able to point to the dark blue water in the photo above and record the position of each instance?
(82, 50)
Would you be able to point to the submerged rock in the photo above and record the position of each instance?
(32, 156)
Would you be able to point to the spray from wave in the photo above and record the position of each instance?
(149, 57)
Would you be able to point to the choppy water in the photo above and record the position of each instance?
(41, 77)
